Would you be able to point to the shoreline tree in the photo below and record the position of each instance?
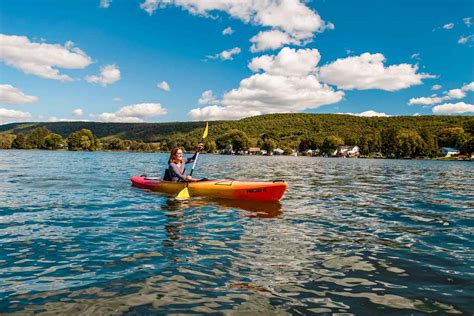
(331, 143)
(53, 141)
(6, 140)
(83, 140)
(238, 139)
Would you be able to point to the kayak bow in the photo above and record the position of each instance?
(223, 189)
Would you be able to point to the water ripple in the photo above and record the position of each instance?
(350, 236)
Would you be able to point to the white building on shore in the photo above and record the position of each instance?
(348, 151)
(448, 151)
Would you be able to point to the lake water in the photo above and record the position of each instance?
(350, 236)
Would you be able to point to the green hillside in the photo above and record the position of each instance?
(286, 128)
(392, 137)
(148, 132)
(293, 126)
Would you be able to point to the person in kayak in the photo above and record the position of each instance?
(176, 171)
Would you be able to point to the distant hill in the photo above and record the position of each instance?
(148, 132)
(288, 127)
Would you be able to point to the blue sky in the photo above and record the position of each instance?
(143, 60)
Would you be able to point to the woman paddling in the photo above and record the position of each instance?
(176, 171)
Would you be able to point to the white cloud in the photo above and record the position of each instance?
(11, 95)
(467, 21)
(426, 100)
(57, 119)
(228, 31)
(449, 95)
(370, 113)
(117, 99)
(288, 62)
(208, 97)
(292, 17)
(455, 94)
(274, 39)
(108, 75)
(415, 56)
(40, 59)
(275, 93)
(288, 84)
(134, 113)
(226, 54)
(77, 112)
(142, 110)
(468, 87)
(416, 114)
(270, 40)
(329, 26)
(164, 86)
(436, 87)
(105, 3)
(465, 39)
(456, 108)
(367, 71)
(216, 112)
(7, 116)
(288, 15)
(448, 26)
(150, 6)
(113, 118)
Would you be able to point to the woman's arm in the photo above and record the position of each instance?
(190, 159)
(200, 147)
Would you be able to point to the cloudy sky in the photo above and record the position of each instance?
(181, 60)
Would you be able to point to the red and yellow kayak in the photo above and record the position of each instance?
(222, 189)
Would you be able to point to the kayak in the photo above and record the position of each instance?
(222, 189)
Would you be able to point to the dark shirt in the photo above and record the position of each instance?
(178, 174)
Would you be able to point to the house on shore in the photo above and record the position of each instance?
(312, 152)
(254, 151)
(348, 151)
(278, 151)
(227, 151)
(448, 151)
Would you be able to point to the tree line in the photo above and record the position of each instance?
(391, 142)
(84, 140)
(393, 137)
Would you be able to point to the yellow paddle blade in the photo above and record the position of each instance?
(183, 194)
(206, 131)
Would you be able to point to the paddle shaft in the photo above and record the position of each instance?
(195, 160)
(194, 164)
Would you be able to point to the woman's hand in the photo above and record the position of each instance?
(190, 179)
(200, 146)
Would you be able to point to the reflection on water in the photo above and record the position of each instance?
(350, 236)
(255, 208)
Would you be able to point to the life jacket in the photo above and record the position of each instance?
(167, 175)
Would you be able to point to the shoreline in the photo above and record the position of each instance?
(456, 158)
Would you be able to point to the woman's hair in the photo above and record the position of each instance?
(173, 154)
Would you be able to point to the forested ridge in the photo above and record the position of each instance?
(283, 126)
(148, 132)
(398, 136)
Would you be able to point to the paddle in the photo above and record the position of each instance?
(184, 193)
